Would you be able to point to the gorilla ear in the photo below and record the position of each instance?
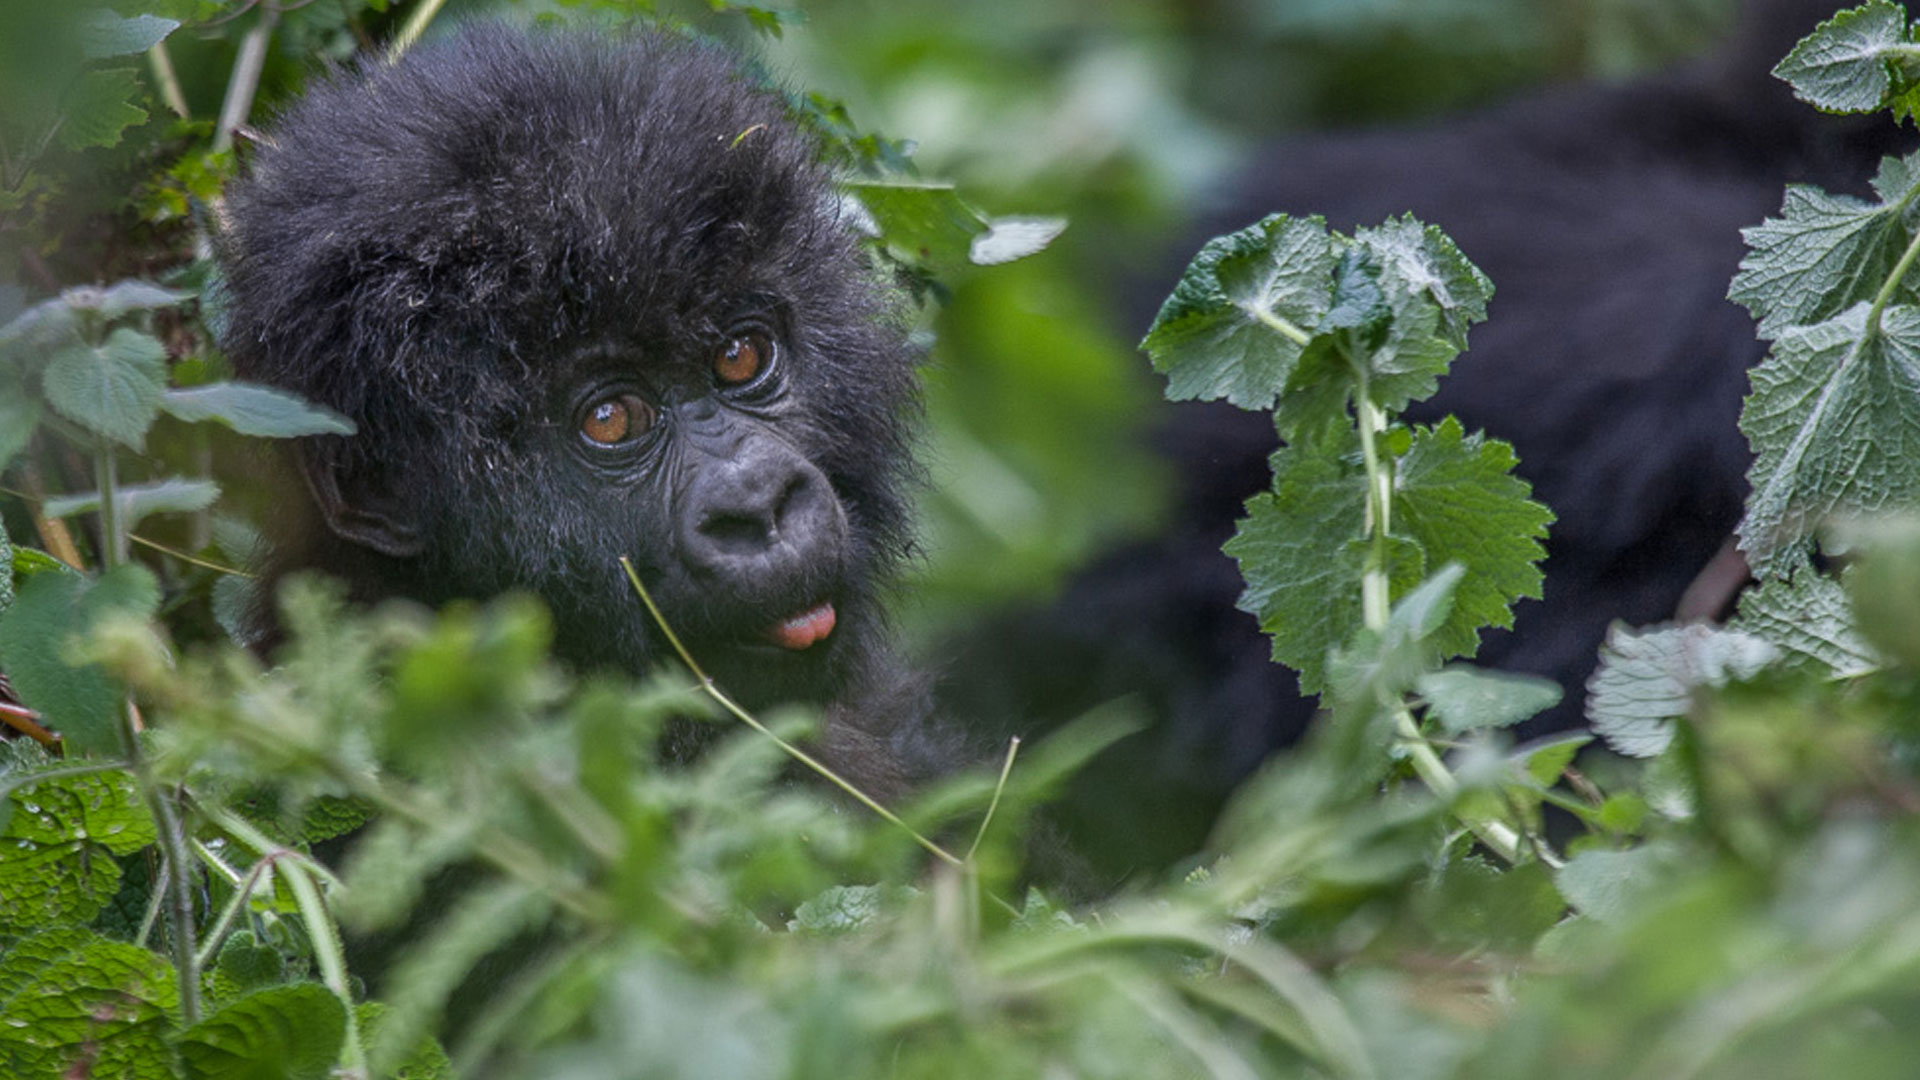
(358, 502)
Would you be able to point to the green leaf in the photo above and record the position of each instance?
(1299, 551)
(19, 418)
(1434, 294)
(1456, 497)
(1883, 587)
(1302, 550)
(104, 34)
(113, 389)
(1465, 698)
(844, 909)
(426, 1061)
(1647, 679)
(927, 222)
(255, 410)
(50, 610)
(281, 1033)
(1853, 62)
(56, 851)
(75, 1004)
(1807, 617)
(1834, 420)
(1242, 313)
(1609, 886)
(97, 109)
(138, 501)
(1825, 253)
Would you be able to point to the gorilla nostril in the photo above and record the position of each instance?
(737, 532)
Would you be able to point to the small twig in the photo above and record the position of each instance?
(411, 30)
(707, 685)
(186, 558)
(27, 722)
(245, 78)
(168, 80)
(1006, 769)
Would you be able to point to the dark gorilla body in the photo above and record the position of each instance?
(1608, 218)
(587, 298)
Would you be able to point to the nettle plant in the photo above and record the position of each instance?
(1382, 902)
(1383, 548)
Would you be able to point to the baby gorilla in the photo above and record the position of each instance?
(587, 298)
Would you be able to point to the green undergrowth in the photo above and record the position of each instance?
(1726, 890)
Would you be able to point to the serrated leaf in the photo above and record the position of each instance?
(1851, 62)
(113, 389)
(1607, 886)
(51, 609)
(1647, 679)
(97, 109)
(104, 34)
(1010, 238)
(1434, 293)
(1299, 554)
(846, 908)
(1834, 420)
(289, 1032)
(1302, 549)
(136, 502)
(1807, 618)
(55, 852)
(1824, 253)
(1237, 322)
(1456, 496)
(1465, 698)
(255, 410)
(75, 1004)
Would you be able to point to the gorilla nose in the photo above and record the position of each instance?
(760, 513)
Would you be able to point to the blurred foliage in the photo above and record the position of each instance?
(1406, 895)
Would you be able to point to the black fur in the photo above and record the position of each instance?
(1608, 218)
(451, 251)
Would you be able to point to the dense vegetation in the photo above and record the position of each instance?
(1406, 895)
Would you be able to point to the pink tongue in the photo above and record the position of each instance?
(803, 629)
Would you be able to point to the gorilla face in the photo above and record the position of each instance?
(584, 299)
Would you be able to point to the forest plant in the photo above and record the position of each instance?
(1741, 905)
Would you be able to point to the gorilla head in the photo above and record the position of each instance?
(584, 298)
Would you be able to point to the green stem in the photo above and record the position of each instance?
(713, 691)
(1899, 273)
(1376, 601)
(1279, 325)
(160, 805)
(324, 936)
(415, 25)
(113, 540)
(245, 77)
(168, 81)
(1000, 786)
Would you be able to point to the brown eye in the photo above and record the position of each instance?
(616, 419)
(741, 360)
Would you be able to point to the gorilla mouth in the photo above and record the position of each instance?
(804, 629)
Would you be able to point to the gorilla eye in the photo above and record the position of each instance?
(743, 359)
(614, 420)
